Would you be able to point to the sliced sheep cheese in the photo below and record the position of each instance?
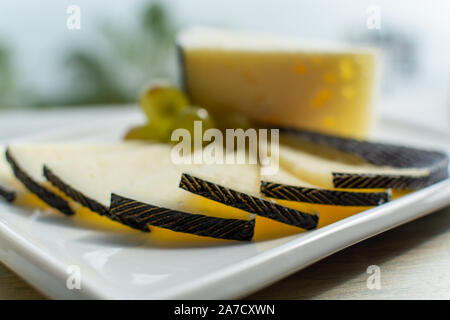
(97, 176)
(332, 204)
(244, 178)
(238, 186)
(26, 162)
(282, 81)
(140, 188)
(8, 185)
(285, 186)
(329, 173)
(357, 163)
(233, 185)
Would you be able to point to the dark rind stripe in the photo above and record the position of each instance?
(323, 196)
(248, 203)
(146, 214)
(9, 196)
(74, 194)
(375, 181)
(87, 202)
(50, 198)
(383, 154)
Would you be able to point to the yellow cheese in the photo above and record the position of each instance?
(280, 81)
(29, 160)
(9, 187)
(327, 213)
(319, 169)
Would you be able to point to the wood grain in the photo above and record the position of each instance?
(14, 288)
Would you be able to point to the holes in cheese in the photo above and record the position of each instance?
(337, 162)
(140, 188)
(285, 186)
(281, 81)
(26, 162)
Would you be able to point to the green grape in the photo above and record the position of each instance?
(190, 114)
(162, 104)
(145, 132)
(233, 120)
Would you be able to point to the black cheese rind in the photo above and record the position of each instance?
(381, 154)
(87, 202)
(377, 181)
(231, 229)
(248, 203)
(8, 195)
(49, 197)
(197, 224)
(323, 196)
(75, 195)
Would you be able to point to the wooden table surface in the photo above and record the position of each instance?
(414, 259)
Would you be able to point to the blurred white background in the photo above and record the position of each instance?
(414, 36)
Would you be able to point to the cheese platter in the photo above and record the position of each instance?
(117, 262)
(207, 198)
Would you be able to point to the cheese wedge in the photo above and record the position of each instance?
(285, 186)
(331, 204)
(325, 172)
(14, 191)
(305, 218)
(335, 162)
(7, 190)
(26, 162)
(140, 188)
(280, 81)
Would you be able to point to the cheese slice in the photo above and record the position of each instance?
(8, 187)
(280, 81)
(331, 204)
(14, 191)
(305, 218)
(322, 171)
(140, 188)
(26, 162)
(333, 161)
(285, 186)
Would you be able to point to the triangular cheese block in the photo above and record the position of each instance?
(26, 162)
(278, 80)
(285, 186)
(140, 188)
(335, 162)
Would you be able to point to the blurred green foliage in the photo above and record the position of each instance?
(112, 72)
(7, 83)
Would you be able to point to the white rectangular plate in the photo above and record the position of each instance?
(42, 247)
